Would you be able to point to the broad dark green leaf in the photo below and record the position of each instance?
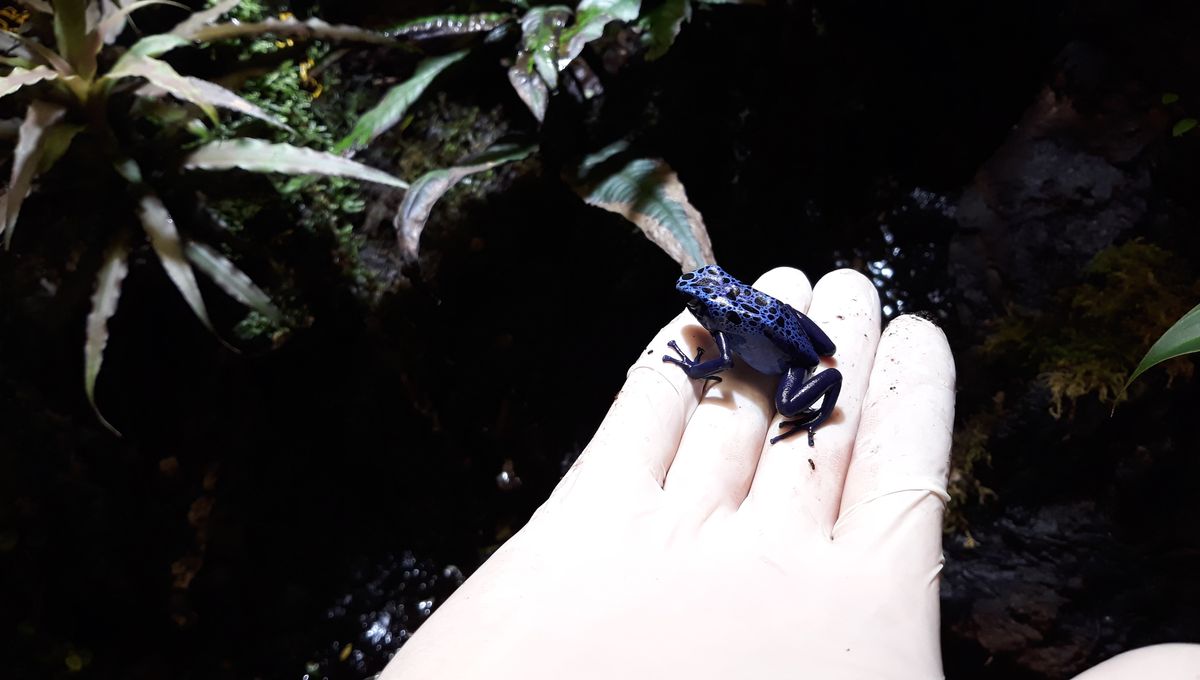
(662, 24)
(187, 28)
(649, 194)
(541, 28)
(56, 143)
(529, 86)
(1182, 338)
(31, 140)
(443, 25)
(104, 305)
(428, 188)
(256, 155)
(395, 103)
(232, 280)
(591, 16)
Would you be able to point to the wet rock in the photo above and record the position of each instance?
(1072, 178)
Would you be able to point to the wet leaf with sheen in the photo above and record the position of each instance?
(649, 194)
(218, 96)
(591, 16)
(443, 25)
(104, 305)
(396, 102)
(256, 155)
(429, 188)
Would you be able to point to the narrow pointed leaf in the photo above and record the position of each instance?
(232, 280)
(1180, 339)
(311, 28)
(113, 22)
(104, 306)
(218, 96)
(161, 74)
(56, 143)
(395, 103)
(20, 77)
(70, 35)
(157, 45)
(662, 25)
(187, 28)
(448, 24)
(30, 145)
(164, 237)
(424, 193)
(648, 193)
(43, 54)
(591, 16)
(256, 155)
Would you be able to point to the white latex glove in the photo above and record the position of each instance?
(683, 545)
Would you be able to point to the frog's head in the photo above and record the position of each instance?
(707, 290)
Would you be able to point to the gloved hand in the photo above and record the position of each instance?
(682, 545)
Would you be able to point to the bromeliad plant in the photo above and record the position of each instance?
(73, 96)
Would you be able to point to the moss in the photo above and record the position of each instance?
(1098, 330)
(968, 455)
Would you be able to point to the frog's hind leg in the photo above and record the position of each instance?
(798, 391)
(703, 370)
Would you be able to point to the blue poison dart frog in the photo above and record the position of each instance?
(767, 334)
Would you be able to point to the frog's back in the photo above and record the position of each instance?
(764, 332)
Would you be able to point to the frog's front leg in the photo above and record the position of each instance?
(798, 390)
(703, 370)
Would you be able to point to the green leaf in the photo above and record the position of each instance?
(541, 28)
(19, 77)
(590, 19)
(160, 73)
(530, 87)
(43, 54)
(424, 193)
(113, 22)
(1182, 338)
(442, 25)
(1183, 127)
(1169, 98)
(31, 142)
(164, 238)
(187, 28)
(648, 193)
(214, 94)
(256, 155)
(311, 28)
(157, 45)
(104, 305)
(70, 36)
(57, 141)
(232, 280)
(395, 103)
(662, 25)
